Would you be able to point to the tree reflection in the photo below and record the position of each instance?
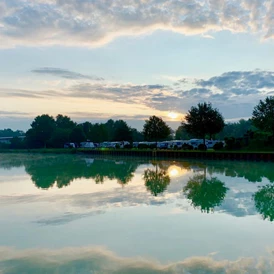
(251, 171)
(205, 193)
(156, 181)
(264, 202)
(62, 170)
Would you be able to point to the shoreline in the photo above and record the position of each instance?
(265, 156)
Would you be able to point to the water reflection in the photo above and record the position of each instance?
(103, 261)
(214, 188)
(264, 201)
(205, 193)
(47, 172)
(252, 171)
(156, 181)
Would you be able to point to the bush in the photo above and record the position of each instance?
(187, 147)
(128, 146)
(153, 146)
(232, 143)
(142, 146)
(218, 146)
(202, 147)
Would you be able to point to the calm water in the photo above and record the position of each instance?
(76, 214)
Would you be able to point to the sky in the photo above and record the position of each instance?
(130, 59)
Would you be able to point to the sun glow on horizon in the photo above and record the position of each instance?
(173, 115)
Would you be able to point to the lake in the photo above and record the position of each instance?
(79, 214)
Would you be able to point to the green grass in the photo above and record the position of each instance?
(79, 150)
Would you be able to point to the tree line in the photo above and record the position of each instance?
(201, 121)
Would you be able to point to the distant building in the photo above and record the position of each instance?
(7, 140)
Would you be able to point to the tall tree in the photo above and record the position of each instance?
(87, 128)
(59, 137)
(77, 135)
(41, 131)
(263, 115)
(236, 129)
(136, 135)
(122, 131)
(109, 128)
(155, 129)
(98, 133)
(182, 134)
(203, 120)
(64, 122)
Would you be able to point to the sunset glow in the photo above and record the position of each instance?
(173, 115)
(99, 60)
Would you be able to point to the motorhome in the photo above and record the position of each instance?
(87, 145)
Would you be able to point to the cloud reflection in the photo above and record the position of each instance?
(102, 261)
(147, 183)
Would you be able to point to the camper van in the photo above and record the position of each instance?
(87, 145)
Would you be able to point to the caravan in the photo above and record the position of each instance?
(87, 145)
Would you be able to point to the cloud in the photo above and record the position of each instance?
(63, 73)
(234, 92)
(241, 80)
(29, 93)
(100, 260)
(149, 95)
(97, 22)
(12, 113)
(67, 218)
(238, 87)
(103, 116)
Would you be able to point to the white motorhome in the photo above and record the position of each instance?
(177, 144)
(87, 145)
(195, 142)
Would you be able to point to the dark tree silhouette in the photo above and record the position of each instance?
(77, 135)
(64, 122)
(122, 131)
(41, 131)
(203, 120)
(59, 137)
(205, 193)
(264, 202)
(263, 115)
(155, 129)
(156, 181)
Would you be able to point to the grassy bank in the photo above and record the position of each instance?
(148, 153)
(85, 150)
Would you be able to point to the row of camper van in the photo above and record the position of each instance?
(178, 144)
(89, 144)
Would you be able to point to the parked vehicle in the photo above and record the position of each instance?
(177, 144)
(195, 142)
(162, 145)
(69, 145)
(87, 145)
